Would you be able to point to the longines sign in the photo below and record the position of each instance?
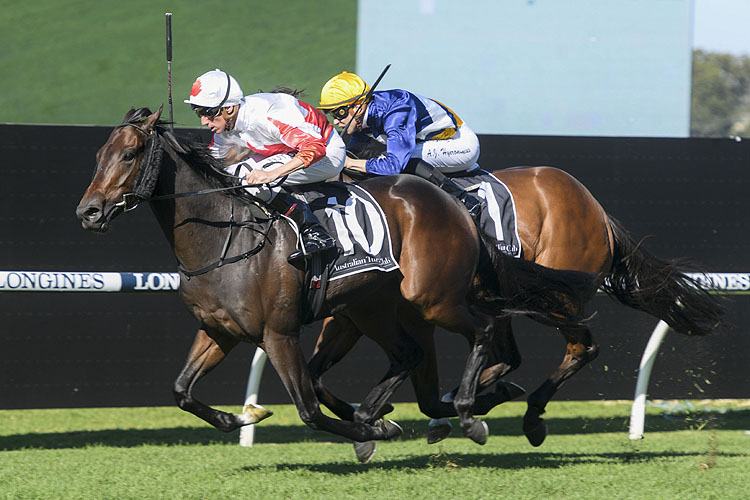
(62, 281)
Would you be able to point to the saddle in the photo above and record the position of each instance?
(497, 217)
(355, 220)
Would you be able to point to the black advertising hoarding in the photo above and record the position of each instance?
(687, 197)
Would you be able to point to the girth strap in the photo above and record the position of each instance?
(316, 274)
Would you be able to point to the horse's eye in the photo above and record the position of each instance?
(128, 156)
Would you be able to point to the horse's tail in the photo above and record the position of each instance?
(550, 296)
(659, 287)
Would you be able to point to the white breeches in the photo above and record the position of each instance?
(458, 153)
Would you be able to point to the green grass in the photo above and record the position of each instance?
(88, 62)
(144, 453)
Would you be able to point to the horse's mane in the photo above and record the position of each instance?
(280, 89)
(365, 150)
(195, 153)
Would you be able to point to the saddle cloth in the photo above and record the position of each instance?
(497, 219)
(353, 217)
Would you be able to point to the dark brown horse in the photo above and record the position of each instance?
(210, 224)
(562, 226)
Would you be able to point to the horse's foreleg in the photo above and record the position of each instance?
(338, 336)
(404, 354)
(287, 358)
(503, 358)
(472, 427)
(426, 382)
(207, 352)
(458, 318)
(580, 351)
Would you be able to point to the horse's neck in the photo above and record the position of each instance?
(197, 226)
(184, 220)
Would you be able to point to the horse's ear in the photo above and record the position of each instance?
(151, 120)
(128, 115)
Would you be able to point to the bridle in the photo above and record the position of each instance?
(131, 200)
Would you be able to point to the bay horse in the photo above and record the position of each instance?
(561, 226)
(256, 295)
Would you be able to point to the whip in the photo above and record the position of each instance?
(169, 67)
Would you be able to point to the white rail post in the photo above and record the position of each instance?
(247, 432)
(638, 410)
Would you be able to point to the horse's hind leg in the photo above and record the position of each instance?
(207, 352)
(287, 358)
(580, 350)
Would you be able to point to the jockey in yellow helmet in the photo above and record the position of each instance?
(422, 136)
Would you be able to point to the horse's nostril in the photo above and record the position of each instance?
(89, 213)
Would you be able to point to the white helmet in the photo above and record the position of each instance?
(215, 89)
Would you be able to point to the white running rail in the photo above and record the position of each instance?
(83, 281)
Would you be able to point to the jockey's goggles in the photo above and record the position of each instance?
(209, 113)
(340, 113)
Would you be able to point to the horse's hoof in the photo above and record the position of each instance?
(252, 414)
(476, 430)
(392, 429)
(438, 430)
(536, 432)
(511, 389)
(364, 451)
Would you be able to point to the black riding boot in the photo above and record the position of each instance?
(424, 170)
(314, 236)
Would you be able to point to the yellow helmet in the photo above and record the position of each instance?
(344, 88)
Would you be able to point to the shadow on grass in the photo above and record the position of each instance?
(413, 429)
(454, 461)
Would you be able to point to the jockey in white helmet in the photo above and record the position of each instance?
(291, 138)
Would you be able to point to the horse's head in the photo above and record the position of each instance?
(118, 182)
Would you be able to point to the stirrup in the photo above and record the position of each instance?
(314, 241)
(472, 204)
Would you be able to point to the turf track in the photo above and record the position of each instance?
(149, 453)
